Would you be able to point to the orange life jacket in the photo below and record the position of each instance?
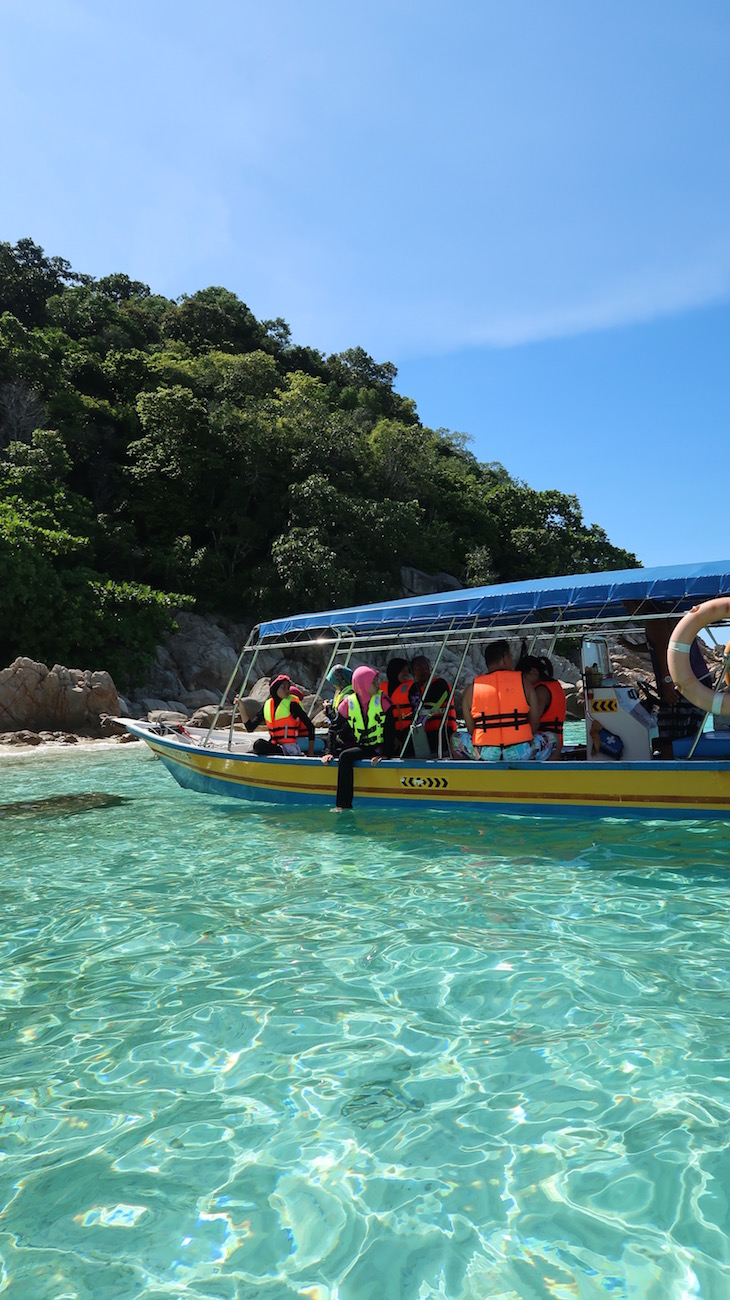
(434, 721)
(283, 727)
(500, 710)
(554, 716)
(401, 705)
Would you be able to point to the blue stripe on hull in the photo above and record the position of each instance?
(189, 779)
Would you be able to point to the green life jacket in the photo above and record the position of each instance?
(372, 732)
(341, 694)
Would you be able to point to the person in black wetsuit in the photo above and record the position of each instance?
(368, 716)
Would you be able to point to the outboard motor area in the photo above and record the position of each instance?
(617, 724)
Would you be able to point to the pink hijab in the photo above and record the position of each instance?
(362, 684)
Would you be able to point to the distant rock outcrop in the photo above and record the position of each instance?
(35, 698)
(191, 670)
(417, 583)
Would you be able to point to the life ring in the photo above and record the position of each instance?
(705, 615)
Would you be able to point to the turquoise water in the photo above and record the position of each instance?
(269, 1054)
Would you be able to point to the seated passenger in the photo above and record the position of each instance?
(537, 671)
(339, 734)
(286, 721)
(552, 704)
(340, 677)
(434, 701)
(405, 699)
(500, 709)
(369, 718)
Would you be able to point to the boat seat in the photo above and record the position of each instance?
(712, 744)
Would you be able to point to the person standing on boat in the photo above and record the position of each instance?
(677, 718)
(500, 709)
(434, 700)
(369, 718)
(286, 721)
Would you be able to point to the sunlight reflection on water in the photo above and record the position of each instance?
(409, 1056)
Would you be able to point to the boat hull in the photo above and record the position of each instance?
(666, 790)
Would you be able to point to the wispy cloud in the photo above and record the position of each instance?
(432, 321)
(633, 298)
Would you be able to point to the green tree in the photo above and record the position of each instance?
(341, 548)
(214, 318)
(120, 288)
(543, 533)
(151, 447)
(239, 378)
(361, 381)
(28, 279)
(85, 314)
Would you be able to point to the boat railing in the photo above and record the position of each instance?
(346, 641)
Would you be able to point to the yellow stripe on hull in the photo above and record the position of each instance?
(643, 789)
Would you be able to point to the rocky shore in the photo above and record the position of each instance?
(61, 705)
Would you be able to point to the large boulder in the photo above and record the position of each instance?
(193, 667)
(204, 717)
(199, 699)
(201, 654)
(260, 690)
(162, 678)
(150, 704)
(36, 698)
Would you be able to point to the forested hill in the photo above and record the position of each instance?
(153, 450)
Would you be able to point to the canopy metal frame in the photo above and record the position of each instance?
(414, 635)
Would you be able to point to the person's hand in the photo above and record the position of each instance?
(375, 760)
(326, 758)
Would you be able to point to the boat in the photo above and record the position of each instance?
(585, 783)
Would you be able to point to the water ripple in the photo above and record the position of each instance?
(259, 1053)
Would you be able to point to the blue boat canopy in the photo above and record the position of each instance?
(572, 599)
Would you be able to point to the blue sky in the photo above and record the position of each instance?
(524, 205)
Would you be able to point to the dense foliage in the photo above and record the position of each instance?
(154, 453)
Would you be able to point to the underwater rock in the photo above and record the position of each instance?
(62, 805)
